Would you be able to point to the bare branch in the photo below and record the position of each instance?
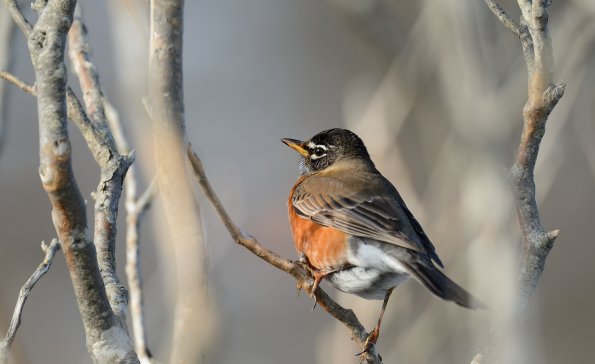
(18, 83)
(135, 209)
(146, 198)
(181, 209)
(80, 56)
(15, 322)
(300, 273)
(107, 339)
(18, 17)
(504, 18)
(543, 96)
(113, 166)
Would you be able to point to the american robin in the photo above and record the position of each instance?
(354, 229)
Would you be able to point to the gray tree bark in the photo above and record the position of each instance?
(107, 336)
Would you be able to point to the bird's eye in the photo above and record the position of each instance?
(319, 152)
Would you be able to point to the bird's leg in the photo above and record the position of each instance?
(318, 277)
(373, 336)
(318, 274)
(303, 261)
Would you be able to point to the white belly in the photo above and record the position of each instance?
(369, 283)
(373, 271)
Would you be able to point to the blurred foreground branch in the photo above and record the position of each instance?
(15, 322)
(7, 27)
(192, 320)
(543, 95)
(300, 273)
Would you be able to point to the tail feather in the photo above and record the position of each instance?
(442, 286)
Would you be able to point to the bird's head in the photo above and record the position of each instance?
(328, 147)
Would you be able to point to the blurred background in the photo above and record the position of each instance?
(435, 89)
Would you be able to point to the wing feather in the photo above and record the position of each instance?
(358, 211)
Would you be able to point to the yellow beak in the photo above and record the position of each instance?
(296, 145)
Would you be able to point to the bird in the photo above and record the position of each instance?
(352, 228)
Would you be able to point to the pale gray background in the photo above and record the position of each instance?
(436, 91)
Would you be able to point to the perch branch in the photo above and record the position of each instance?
(113, 165)
(190, 335)
(543, 96)
(301, 274)
(15, 322)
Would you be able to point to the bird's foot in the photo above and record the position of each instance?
(310, 285)
(370, 343)
(304, 264)
(317, 274)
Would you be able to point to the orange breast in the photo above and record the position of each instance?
(325, 248)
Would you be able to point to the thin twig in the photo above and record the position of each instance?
(136, 206)
(18, 17)
(15, 322)
(80, 56)
(146, 198)
(301, 274)
(504, 18)
(135, 209)
(18, 82)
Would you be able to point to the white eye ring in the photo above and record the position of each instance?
(319, 152)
